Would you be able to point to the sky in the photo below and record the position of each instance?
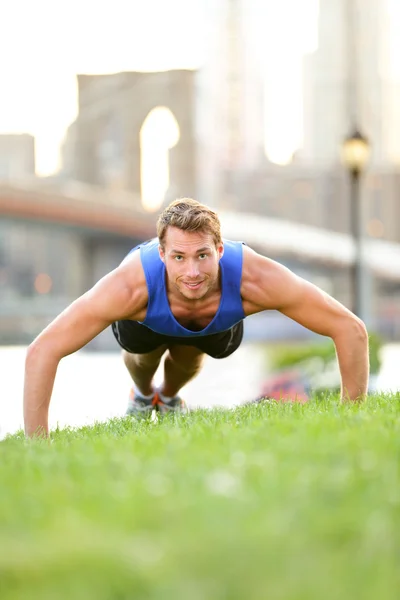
(44, 43)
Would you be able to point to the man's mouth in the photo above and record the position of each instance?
(193, 285)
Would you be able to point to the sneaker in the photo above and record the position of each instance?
(175, 405)
(139, 407)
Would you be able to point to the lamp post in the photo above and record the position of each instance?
(355, 154)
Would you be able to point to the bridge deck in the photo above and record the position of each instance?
(120, 213)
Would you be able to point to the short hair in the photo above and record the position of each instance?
(189, 215)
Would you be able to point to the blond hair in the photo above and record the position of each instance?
(189, 215)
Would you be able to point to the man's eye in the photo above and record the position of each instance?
(178, 258)
(202, 256)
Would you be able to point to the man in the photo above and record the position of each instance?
(185, 295)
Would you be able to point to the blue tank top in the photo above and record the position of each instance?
(159, 317)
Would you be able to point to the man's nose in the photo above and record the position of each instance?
(193, 269)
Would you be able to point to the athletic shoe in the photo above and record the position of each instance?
(139, 407)
(175, 405)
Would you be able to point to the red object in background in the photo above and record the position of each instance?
(288, 386)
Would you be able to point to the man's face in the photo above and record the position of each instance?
(192, 262)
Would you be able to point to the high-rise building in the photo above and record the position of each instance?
(229, 105)
(348, 80)
(392, 82)
(324, 86)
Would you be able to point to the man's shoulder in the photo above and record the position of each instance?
(130, 275)
(135, 254)
(255, 263)
(258, 270)
(131, 267)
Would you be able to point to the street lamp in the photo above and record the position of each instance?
(355, 154)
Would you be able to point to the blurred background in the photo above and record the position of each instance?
(282, 115)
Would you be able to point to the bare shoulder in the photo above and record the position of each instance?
(127, 284)
(121, 294)
(266, 284)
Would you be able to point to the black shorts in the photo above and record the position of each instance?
(139, 339)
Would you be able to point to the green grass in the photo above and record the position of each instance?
(271, 501)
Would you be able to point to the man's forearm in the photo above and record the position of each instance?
(40, 372)
(353, 357)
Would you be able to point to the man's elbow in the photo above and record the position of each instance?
(41, 349)
(33, 353)
(360, 329)
(353, 327)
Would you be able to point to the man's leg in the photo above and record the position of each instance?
(182, 364)
(142, 368)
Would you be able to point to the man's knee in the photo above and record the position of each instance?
(188, 358)
(145, 359)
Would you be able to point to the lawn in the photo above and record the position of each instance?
(266, 501)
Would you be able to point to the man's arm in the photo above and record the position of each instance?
(269, 285)
(109, 300)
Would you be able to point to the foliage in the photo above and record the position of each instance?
(285, 356)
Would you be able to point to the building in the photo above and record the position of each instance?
(17, 156)
(229, 101)
(353, 77)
